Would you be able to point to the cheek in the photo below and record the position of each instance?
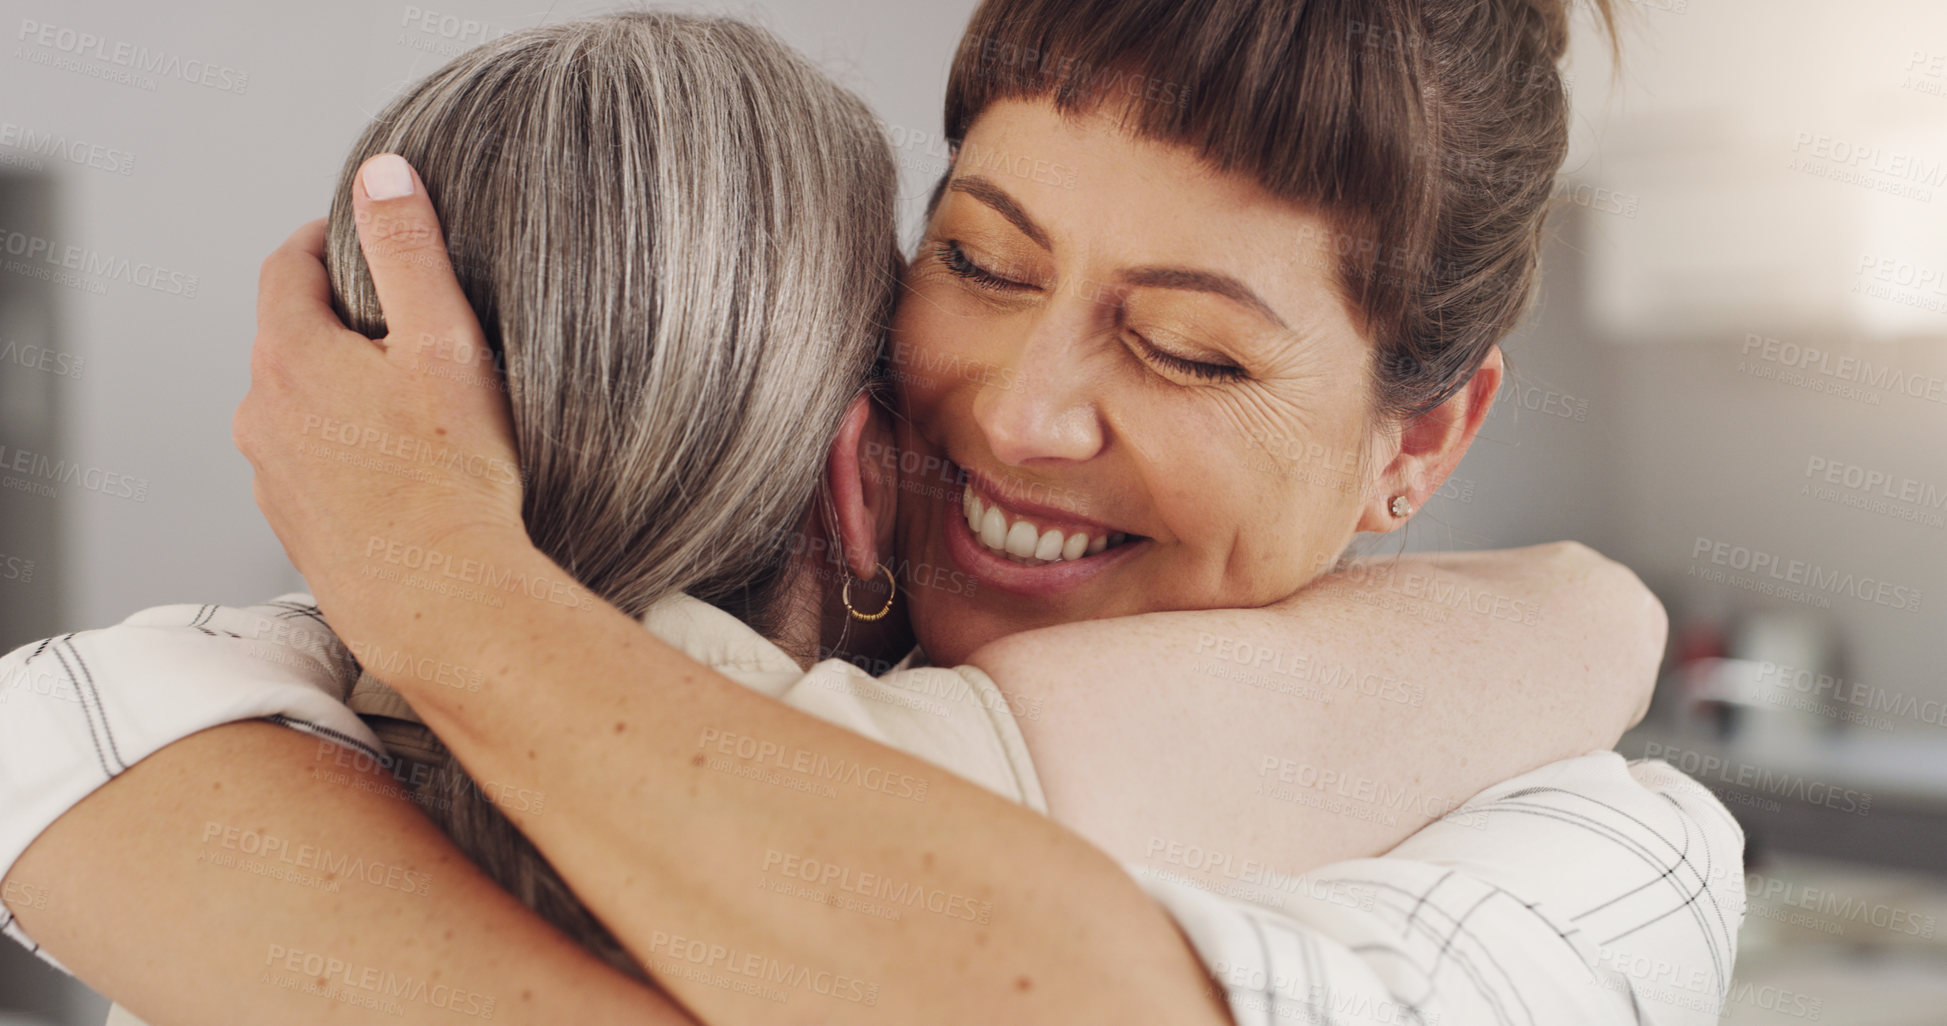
(1267, 488)
(920, 348)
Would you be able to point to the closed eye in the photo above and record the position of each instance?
(1184, 365)
(957, 263)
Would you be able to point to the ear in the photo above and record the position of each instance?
(860, 475)
(1431, 445)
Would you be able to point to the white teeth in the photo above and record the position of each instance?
(1023, 540)
(993, 530)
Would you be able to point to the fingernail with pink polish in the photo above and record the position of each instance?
(386, 176)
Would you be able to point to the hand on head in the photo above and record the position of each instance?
(367, 446)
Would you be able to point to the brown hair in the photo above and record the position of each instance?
(1427, 131)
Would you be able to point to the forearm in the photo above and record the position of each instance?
(369, 901)
(1338, 722)
(674, 796)
(1559, 615)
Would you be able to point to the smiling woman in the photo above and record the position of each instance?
(1322, 195)
(1162, 345)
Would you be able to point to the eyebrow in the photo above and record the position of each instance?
(1187, 279)
(1192, 280)
(1003, 204)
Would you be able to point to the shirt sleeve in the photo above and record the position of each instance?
(956, 718)
(1590, 891)
(79, 709)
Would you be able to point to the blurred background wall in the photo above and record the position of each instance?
(1735, 383)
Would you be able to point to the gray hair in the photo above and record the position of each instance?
(680, 240)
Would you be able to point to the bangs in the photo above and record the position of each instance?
(1318, 101)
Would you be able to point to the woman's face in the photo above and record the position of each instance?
(1142, 370)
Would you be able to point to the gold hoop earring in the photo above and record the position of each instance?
(845, 596)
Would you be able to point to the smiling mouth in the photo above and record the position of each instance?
(1032, 540)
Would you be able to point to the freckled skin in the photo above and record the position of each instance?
(1246, 486)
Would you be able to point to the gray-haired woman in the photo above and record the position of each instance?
(678, 238)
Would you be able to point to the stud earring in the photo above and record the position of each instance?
(1401, 509)
(845, 596)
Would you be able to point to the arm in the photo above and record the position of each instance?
(1334, 724)
(656, 758)
(127, 890)
(638, 716)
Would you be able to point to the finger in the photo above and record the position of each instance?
(403, 245)
(293, 290)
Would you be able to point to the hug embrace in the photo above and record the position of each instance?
(721, 614)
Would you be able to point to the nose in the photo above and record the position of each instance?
(1043, 405)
